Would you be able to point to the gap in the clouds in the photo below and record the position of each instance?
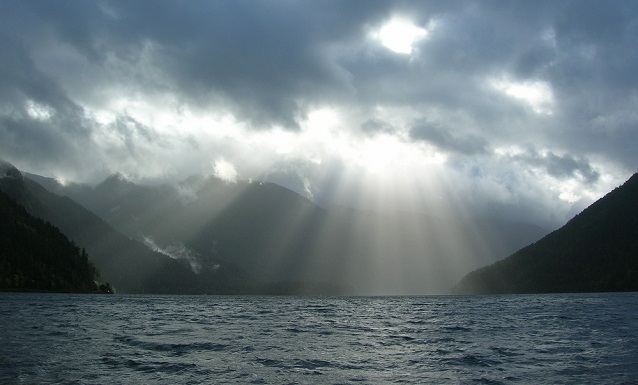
(399, 35)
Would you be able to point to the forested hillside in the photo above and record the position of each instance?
(129, 265)
(36, 256)
(596, 251)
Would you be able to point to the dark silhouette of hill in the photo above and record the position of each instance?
(595, 251)
(128, 264)
(286, 243)
(36, 256)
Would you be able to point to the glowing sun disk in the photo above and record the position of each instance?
(400, 35)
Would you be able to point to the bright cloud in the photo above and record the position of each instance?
(400, 35)
(39, 111)
(527, 108)
(536, 94)
(225, 171)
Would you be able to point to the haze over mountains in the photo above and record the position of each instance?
(126, 263)
(256, 237)
(206, 235)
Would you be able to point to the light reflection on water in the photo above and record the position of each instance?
(60, 338)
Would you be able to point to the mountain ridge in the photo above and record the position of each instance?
(597, 250)
(128, 264)
(276, 235)
(36, 256)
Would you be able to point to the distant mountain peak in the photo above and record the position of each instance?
(118, 177)
(9, 170)
(11, 180)
(116, 181)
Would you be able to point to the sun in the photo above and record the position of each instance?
(400, 35)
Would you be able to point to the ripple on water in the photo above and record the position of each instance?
(588, 339)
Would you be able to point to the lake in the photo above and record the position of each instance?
(129, 339)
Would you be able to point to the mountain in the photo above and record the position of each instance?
(36, 256)
(282, 240)
(595, 251)
(128, 264)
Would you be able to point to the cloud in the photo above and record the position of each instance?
(449, 139)
(374, 125)
(536, 94)
(560, 166)
(178, 251)
(400, 35)
(540, 90)
(261, 60)
(225, 171)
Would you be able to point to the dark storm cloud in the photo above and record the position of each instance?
(133, 133)
(586, 52)
(373, 126)
(598, 38)
(20, 79)
(466, 41)
(448, 139)
(38, 122)
(272, 63)
(266, 60)
(565, 166)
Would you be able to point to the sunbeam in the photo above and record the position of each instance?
(398, 140)
(315, 191)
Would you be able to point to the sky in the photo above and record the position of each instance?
(521, 109)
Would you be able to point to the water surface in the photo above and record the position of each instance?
(121, 339)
